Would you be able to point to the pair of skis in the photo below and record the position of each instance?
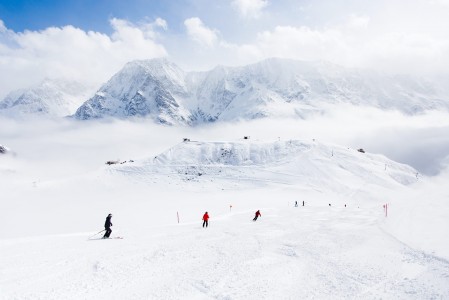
(109, 238)
(103, 238)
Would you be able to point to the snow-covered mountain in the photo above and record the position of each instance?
(52, 97)
(271, 88)
(311, 164)
(153, 87)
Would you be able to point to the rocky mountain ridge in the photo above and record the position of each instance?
(273, 88)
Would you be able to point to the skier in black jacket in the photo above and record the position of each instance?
(107, 226)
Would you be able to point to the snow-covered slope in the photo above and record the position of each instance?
(56, 194)
(311, 164)
(314, 251)
(270, 88)
(52, 97)
(153, 88)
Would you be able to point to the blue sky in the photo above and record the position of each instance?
(90, 40)
(19, 15)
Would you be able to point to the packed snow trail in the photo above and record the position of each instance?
(288, 253)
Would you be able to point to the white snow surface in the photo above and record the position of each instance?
(346, 250)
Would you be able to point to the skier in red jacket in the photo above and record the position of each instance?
(258, 214)
(205, 219)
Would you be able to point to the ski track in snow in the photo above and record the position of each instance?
(289, 253)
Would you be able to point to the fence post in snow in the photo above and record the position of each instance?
(177, 215)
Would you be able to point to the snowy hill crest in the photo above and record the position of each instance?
(293, 162)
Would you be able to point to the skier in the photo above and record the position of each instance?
(205, 219)
(258, 214)
(107, 226)
(296, 203)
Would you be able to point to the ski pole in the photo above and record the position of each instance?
(97, 233)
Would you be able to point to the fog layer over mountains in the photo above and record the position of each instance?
(402, 117)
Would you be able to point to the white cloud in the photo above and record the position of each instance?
(444, 3)
(201, 34)
(353, 43)
(2, 27)
(300, 43)
(249, 8)
(382, 35)
(161, 23)
(90, 57)
(358, 22)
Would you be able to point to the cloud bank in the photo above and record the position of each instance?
(390, 36)
(421, 141)
(68, 52)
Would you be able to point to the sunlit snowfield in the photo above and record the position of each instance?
(56, 192)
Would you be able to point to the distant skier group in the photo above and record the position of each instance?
(108, 223)
(205, 219)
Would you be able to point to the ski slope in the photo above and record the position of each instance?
(346, 250)
(289, 253)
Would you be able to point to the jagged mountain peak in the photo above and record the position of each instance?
(153, 88)
(274, 87)
(155, 66)
(139, 73)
